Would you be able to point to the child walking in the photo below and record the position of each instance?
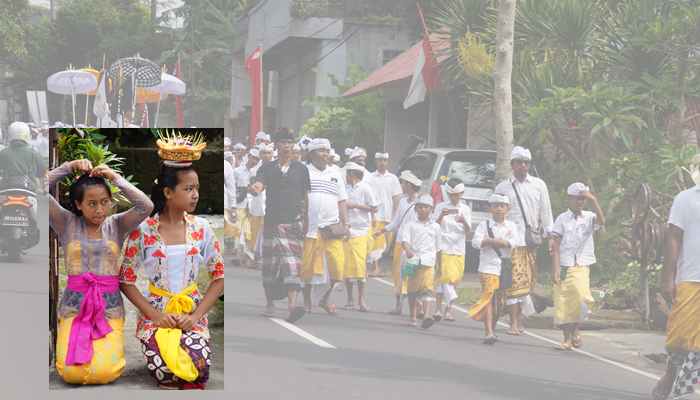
(573, 254)
(419, 240)
(495, 237)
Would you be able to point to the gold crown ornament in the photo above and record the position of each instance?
(178, 150)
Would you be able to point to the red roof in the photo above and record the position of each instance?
(400, 67)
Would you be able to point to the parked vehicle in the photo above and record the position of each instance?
(18, 227)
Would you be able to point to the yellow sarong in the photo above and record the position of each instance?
(378, 244)
(524, 262)
(316, 251)
(175, 357)
(571, 295)
(683, 329)
(451, 269)
(256, 224)
(489, 285)
(356, 258)
(107, 362)
(400, 285)
(422, 282)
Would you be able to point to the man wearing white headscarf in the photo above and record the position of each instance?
(681, 287)
(531, 211)
(572, 256)
(323, 248)
(454, 217)
(387, 190)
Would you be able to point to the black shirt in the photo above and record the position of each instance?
(285, 193)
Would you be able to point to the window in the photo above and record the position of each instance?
(421, 165)
(474, 169)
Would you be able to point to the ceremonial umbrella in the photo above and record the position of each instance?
(71, 82)
(141, 71)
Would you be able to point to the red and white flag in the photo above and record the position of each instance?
(426, 75)
(254, 66)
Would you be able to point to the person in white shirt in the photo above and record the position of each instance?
(681, 286)
(420, 240)
(239, 150)
(529, 194)
(387, 189)
(266, 152)
(327, 220)
(454, 218)
(495, 237)
(573, 254)
(243, 175)
(405, 213)
(256, 207)
(229, 204)
(361, 203)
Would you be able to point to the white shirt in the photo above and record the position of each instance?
(360, 220)
(256, 204)
(489, 262)
(229, 186)
(327, 189)
(385, 187)
(535, 197)
(453, 236)
(176, 267)
(685, 214)
(242, 175)
(405, 213)
(423, 238)
(576, 247)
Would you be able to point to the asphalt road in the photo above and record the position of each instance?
(368, 355)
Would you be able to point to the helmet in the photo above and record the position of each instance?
(18, 131)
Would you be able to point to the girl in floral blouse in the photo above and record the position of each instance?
(168, 249)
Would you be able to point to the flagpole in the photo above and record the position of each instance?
(262, 91)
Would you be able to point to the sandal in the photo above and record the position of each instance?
(427, 323)
(449, 318)
(490, 340)
(511, 332)
(413, 323)
(437, 317)
(577, 342)
(564, 346)
(363, 308)
(330, 308)
(296, 314)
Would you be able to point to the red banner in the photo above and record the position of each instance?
(254, 66)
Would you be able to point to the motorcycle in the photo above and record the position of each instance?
(18, 226)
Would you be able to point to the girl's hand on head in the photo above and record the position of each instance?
(81, 166)
(104, 171)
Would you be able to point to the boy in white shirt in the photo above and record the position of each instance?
(454, 218)
(573, 254)
(495, 237)
(387, 189)
(419, 240)
(361, 203)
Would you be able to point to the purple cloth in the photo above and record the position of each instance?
(90, 323)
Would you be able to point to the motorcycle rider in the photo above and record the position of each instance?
(20, 165)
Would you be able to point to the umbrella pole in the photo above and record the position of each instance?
(87, 103)
(133, 91)
(155, 124)
(72, 97)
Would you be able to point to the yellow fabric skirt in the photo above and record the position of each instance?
(256, 224)
(316, 251)
(451, 269)
(356, 258)
(523, 272)
(489, 285)
(423, 282)
(107, 362)
(683, 329)
(571, 295)
(400, 285)
(378, 243)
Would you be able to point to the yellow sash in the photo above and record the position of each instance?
(175, 357)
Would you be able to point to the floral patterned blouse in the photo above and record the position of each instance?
(145, 250)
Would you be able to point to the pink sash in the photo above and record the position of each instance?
(90, 323)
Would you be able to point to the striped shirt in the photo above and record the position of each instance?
(327, 189)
